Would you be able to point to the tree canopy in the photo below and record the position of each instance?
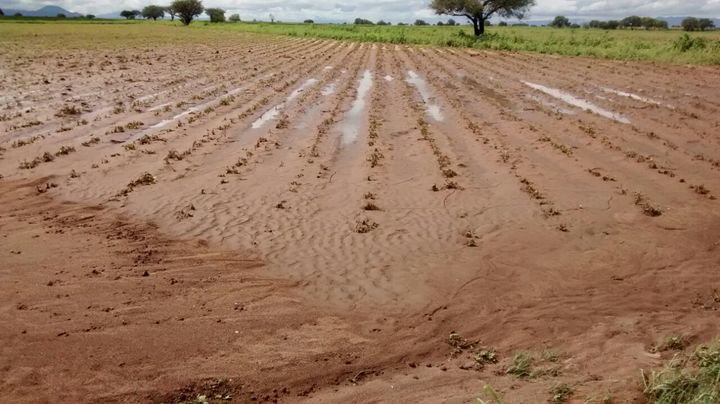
(153, 11)
(216, 14)
(697, 24)
(560, 22)
(187, 10)
(1, 13)
(478, 11)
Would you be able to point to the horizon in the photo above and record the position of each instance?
(391, 11)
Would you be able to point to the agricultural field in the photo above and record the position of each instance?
(194, 214)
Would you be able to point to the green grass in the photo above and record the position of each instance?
(668, 46)
(691, 380)
(671, 46)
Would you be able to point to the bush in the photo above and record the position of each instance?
(362, 21)
(309, 22)
(687, 42)
(234, 18)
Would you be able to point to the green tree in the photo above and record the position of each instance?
(421, 22)
(632, 22)
(690, 24)
(478, 11)
(61, 15)
(560, 22)
(17, 15)
(90, 16)
(153, 11)
(128, 14)
(235, 18)
(705, 23)
(362, 21)
(215, 14)
(451, 22)
(1, 13)
(171, 12)
(187, 10)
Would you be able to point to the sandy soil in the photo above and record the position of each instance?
(307, 220)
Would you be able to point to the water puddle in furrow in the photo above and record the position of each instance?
(328, 90)
(389, 78)
(577, 102)
(635, 97)
(273, 112)
(351, 124)
(196, 108)
(432, 109)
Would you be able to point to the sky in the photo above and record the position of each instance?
(393, 10)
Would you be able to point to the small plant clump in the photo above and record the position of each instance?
(65, 150)
(365, 226)
(521, 366)
(92, 141)
(688, 379)
(561, 393)
(68, 110)
(647, 208)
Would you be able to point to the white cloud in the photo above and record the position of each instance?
(394, 10)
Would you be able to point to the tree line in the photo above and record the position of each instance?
(184, 10)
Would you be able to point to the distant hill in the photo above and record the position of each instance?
(47, 11)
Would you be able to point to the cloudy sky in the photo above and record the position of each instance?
(394, 10)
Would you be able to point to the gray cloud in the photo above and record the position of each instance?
(395, 10)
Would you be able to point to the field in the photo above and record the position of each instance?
(668, 46)
(209, 214)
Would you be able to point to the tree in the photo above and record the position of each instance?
(272, 19)
(235, 18)
(502, 24)
(171, 11)
(17, 15)
(362, 21)
(690, 24)
(705, 23)
(61, 15)
(187, 10)
(128, 14)
(451, 22)
(90, 16)
(631, 22)
(309, 21)
(383, 22)
(440, 23)
(153, 12)
(420, 22)
(1, 13)
(216, 14)
(560, 22)
(478, 11)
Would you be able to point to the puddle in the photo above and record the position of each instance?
(432, 109)
(351, 125)
(273, 112)
(389, 78)
(161, 106)
(196, 108)
(577, 102)
(328, 90)
(328, 67)
(634, 96)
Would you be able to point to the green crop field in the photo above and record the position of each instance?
(670, 46)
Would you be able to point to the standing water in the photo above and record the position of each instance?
(351, 126)
(432, 109)
(577, 102)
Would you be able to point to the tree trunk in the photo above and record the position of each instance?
(478, 26)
